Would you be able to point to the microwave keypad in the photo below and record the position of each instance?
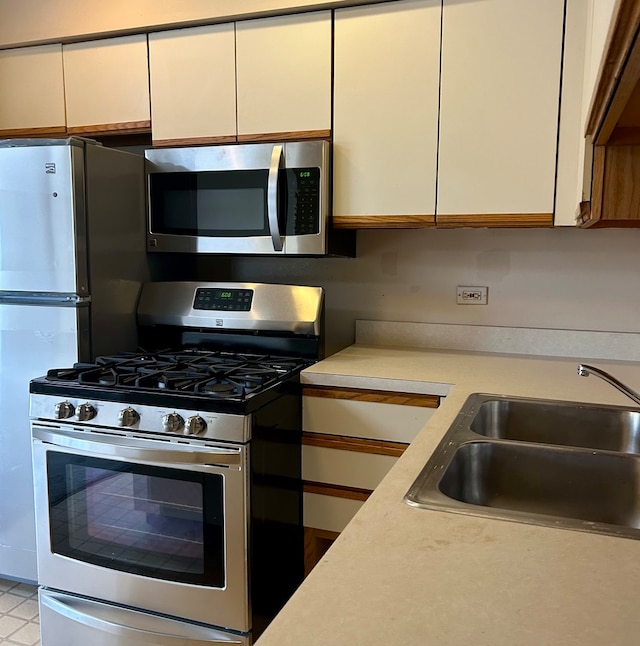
(237, 300)
(304, 201)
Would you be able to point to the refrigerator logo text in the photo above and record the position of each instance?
(49, 168)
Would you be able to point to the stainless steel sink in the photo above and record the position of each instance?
(564, 423)
(543, 462)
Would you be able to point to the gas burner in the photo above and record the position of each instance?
(220, 389)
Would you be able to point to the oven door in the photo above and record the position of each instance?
(160, 525)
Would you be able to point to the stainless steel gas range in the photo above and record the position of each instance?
(167, 482)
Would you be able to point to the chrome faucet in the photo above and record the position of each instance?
(585, 370)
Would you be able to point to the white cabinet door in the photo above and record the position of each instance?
(387, 59)
(32, 96)
(193, 85)
(499, 109)
(284, 77)
(107, 85)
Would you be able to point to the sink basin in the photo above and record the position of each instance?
(562, 464)
(550, 422)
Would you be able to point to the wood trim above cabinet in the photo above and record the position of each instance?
(337, 491)
(615, 195)
(491, 220)
(359, 445)
(384, 221)
(619, 72)
(52, 131)
(125, 127)
(285, 136)
(378, 396)
(194, 141)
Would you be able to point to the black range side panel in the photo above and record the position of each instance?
(277, 567)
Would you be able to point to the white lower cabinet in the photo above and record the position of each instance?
(351, 439)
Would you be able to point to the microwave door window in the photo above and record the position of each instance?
(211, 204)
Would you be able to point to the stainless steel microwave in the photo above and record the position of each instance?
(243, 199)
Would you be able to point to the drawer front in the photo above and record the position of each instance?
(331, 513)
(346, 468)
(353, 418)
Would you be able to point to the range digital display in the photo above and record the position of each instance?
(233, 300)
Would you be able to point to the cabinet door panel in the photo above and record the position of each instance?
(193, 84)
(499, 106)
(387, 59)
(345, 468)
(330, 513)
(284, 75)
(32, 99)
(107, 84)
(372, 420)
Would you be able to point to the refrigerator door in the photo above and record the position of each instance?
(42, 219)
(33, 339)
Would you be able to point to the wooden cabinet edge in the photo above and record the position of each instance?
(45, 131)
(336, 491)
(316, 544)
(494, 220)
(194, 141)
(125, 127)
(285, 136)
(356, 444)
(376, 396)
(618, 71)
(444, 221)
(383, 221)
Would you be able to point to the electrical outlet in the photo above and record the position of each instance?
(471, 295)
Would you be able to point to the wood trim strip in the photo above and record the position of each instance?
(492, 220)
(624, 136)
(597, 185)
(130, 127)
(356, 444)
(33, 132)
(194, 141)
(384, 221)
(336, 491)
(325, 534)
(619, 64)
(293, 135)
(378, 396)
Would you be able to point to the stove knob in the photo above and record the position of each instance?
(195, 425)
(128, 417)
(86, 412)
(64, 410)
(172, 423)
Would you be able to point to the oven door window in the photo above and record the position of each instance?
(209, 203)
(153, 521)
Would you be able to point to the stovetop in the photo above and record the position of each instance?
(186, 377)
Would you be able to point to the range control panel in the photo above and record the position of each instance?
(235, 300)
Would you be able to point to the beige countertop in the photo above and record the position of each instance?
(400, 575)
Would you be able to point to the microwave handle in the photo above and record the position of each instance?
(272, 196)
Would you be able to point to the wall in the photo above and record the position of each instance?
(547, 278)
(40, 21)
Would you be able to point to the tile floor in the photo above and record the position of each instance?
(19, 624)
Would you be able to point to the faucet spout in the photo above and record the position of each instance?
(584, 371)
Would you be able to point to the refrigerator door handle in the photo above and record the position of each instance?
(58, 299)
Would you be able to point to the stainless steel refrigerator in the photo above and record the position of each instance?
(72, 260)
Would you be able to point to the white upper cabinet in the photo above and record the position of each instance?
(387, 59)
(284, 76)
(107, 85)
(193, 84)
(501, 63)
(32, 98)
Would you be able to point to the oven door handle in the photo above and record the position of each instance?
(150, 629)
(139, 449)
(272, 196)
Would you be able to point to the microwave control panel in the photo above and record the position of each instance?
(235, 300)
(303, 217)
